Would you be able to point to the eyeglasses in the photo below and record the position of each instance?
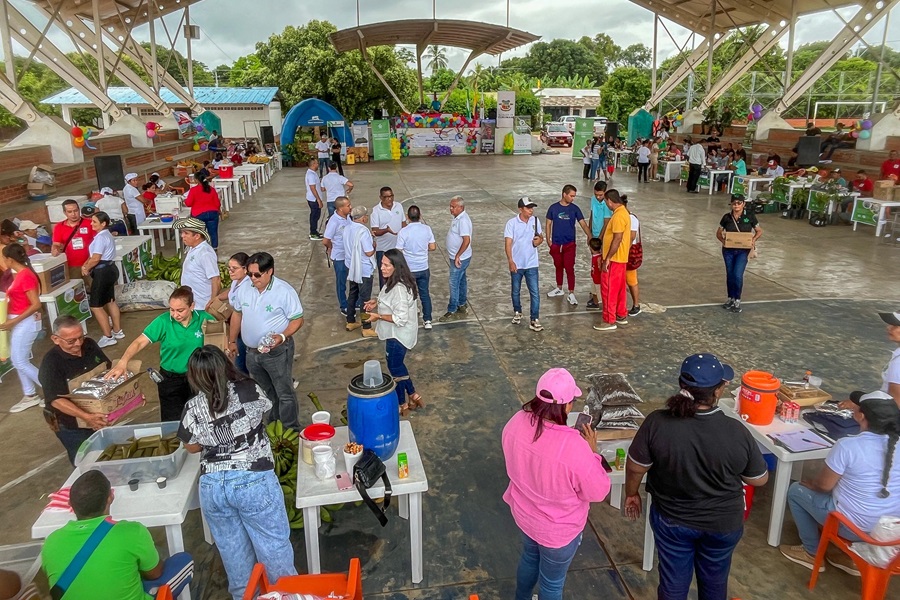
(71, 341)
(230, 268)
(255, 275)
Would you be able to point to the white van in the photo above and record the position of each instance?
(569, 122)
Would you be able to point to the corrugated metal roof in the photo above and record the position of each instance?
(203, 95)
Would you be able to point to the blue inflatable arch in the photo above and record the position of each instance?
(313, 112)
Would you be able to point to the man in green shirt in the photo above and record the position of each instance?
(124, 564)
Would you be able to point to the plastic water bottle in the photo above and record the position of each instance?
(154, 375)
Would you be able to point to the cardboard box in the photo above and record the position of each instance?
(740, 240)
(52, 271)
(220, 309)
(120, 401)
(215, 334)
(884, 190)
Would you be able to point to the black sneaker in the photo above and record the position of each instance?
(462, 308)
(635, 310)
(591, 305)
(449, 316)
(729, 304)
(315, 236)
(736, 307)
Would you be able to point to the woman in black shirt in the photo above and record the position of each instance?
(336, 155)
(739, 220)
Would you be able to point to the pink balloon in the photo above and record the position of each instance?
(854, 134)
(151, 133)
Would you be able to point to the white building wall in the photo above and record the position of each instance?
(233, 117)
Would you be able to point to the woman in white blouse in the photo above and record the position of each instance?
(396, 321)
(102, 268)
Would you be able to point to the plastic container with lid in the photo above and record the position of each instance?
(373, 415)
(120, 472)
(312, 436)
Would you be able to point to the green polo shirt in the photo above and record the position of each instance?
(114, 567)
(176, 342)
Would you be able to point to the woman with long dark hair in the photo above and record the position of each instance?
(737, 220)
(23, 321)
(206, 206)
(237, 269)
(554, 475)
(860, 479)
(697, 461)
(104, 273)
(240, 495)
(396, 320)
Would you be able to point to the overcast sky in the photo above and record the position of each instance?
(231, 28)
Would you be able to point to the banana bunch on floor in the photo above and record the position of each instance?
(165, 269)
(285, 447)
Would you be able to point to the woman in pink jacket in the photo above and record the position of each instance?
(554, 475)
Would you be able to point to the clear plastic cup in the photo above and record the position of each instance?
(372, 373)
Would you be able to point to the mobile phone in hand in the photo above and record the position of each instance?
(605, 463)
(582, 420)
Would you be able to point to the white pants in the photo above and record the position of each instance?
(21, 339)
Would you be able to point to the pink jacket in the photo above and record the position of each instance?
(552, 481)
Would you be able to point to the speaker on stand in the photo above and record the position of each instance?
(110, 171)
(612, 130)
(808, 150)
(267, 133)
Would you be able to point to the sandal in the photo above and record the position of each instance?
(404, 409)
(415, 401)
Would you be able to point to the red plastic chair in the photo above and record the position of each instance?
(349, 584)
(875, 580)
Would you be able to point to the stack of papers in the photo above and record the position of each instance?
(801, 441)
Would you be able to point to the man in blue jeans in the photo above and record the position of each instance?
(415, 241)
(523, 236)
(459, 250)
(334, 245)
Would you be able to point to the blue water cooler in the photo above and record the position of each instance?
(373, 415)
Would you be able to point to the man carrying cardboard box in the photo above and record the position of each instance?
(72, 355)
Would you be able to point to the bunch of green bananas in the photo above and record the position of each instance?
(285, 447)
(295, 515)
(165, 269)
(224, 275)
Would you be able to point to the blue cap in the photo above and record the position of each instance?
(704, 371)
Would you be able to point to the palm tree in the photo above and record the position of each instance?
(437, 58)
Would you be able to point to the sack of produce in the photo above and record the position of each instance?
(144, 295)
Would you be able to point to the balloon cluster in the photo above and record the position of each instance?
(395, 149)
(81, 136)
(152, 128)
(442, 150)
(676, 117)
(472, 142)
(862, 129)
(436, 121)
(508, 143)
(404, 143)
(756, 112)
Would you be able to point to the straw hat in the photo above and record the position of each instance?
(192, 224)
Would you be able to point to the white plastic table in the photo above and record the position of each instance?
(882, 205)
(153, 225)
(798, 185)
(617, 156)
(148, 505)
(313, 493)
(235, 186)
(127, 244)
(224, 189)
(788, 462)
(712, 179)
(750, 181)
(76, 286)
(249, 173)
(672, 169)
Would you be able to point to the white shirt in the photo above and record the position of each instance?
(459, 227)
(334, 185)
(776, 171)
(334, 231)
(135, 207)
(643, 154)
(413, 240)
(111, 205)
(635, 227)
(200, 265)
(392, 218)
(103, 244)
(269, 311)
(358, 241)
(859, 460)
(237, 286)
(891, 372)
(312, 181)
(696, 154)
(400, 304)
(524, 254)
(323, 148)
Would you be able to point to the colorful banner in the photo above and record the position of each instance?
(584, 130)
(863, 213)
(488, 129)
(184, 122)
(74, 303)
(381, 140)
(360, 131)
(506, 109)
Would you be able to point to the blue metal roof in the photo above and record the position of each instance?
(203, 95)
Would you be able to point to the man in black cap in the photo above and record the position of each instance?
(523, 236)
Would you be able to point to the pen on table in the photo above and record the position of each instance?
(816, 443)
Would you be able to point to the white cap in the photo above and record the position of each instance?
(130, 176)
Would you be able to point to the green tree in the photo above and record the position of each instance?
(440, 80)
(626, 89)
(246, 71)
(175, 63)
(437, 59)
(558, 58)
(222, 75)
(635, 55)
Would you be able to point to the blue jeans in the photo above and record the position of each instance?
(378, 256)
(683, 551)
(211, 218)
(459, 284)
(340, 282)
(546, 566)
(315, 211)
(246, 515)
(735, 263)
(531, 281)
(595, 164)
(178, 570)
(422, 279)
(330, 205)
(72, 439)
(240, 361)
(809, 509)
(396, 353)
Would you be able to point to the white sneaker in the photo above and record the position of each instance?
(605, 327)
(572, 299)
(517, 318)
(119, 335)
(536, 326)
(25, 403)
(556, 292)
(428, 325)
(104, 341)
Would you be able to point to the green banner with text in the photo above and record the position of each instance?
(381, 140)
(584, 130)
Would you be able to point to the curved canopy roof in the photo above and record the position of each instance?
(132, 12)
(472, 35)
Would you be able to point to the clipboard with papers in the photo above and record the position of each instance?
(806, 440)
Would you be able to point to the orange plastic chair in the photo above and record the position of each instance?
(875, 580)
(349, 584)
(164, 593)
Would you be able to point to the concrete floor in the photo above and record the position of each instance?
(809, 304)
